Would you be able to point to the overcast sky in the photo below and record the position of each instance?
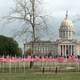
(58, 7)
(55, 8)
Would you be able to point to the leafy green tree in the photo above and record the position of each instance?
(8, 46)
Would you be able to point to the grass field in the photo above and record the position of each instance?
(18, 72)
(40, 76)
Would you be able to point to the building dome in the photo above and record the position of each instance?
(66, 30)
(67, 25)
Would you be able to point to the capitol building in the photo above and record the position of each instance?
(65, 45)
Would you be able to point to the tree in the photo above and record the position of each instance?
(27, 11)
(9, 47)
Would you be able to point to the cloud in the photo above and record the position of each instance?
(55, 8)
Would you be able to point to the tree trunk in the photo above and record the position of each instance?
(33, 23)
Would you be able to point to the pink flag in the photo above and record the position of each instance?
(2, 59)
(60, 59)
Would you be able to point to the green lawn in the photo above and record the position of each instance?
(20, 73)
(39, 76)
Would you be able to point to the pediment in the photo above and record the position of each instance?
(65, 42)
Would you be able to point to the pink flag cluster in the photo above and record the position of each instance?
(71, 59)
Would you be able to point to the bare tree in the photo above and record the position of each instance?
(27, 11)
(29, 14)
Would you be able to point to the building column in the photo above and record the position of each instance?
(65, 51)
(61, 50)
(71, 35)
(74, 50)
(68, 34)
(65, 34)
(71, 49)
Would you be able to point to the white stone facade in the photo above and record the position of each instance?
(66, 44)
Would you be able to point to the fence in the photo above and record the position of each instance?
(39, 64)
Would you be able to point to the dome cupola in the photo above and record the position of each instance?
(66, 28)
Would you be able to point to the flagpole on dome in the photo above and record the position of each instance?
(66, 14)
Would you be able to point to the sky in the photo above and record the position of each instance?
(58, 7)
(54, 8)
